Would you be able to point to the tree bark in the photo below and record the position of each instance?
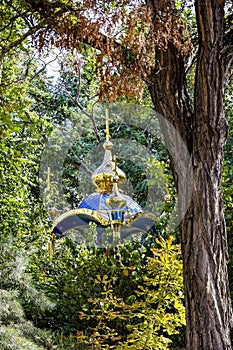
(204, 131)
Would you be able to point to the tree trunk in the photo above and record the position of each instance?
(203, 234)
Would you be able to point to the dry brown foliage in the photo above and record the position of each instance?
(125, 35)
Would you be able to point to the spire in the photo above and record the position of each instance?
(104, 174)
(108, 136)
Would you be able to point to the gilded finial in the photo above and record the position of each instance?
(115, 176)
(103, 176)
(115, 199)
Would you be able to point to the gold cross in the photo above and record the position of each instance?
(49, 174)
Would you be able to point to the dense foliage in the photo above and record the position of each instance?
(38, 293)
(84, 297)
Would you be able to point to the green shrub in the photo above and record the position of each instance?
(149, 316)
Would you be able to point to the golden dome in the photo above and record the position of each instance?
(103, 176)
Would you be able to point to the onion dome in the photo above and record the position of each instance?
(108, 197)
(103, 175)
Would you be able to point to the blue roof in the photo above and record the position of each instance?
(136, 221)
(97, 201)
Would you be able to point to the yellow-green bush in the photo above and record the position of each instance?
(151, 314)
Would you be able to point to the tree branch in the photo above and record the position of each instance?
(19, 41)
(84, 111)
(169, 90)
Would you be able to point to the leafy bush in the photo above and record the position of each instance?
(127, 297)
(151, 314)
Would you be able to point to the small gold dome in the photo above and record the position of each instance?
(104, 174)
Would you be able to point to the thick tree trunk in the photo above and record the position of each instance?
(203, 234)
(205, 253)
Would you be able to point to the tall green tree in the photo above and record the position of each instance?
(21, 210)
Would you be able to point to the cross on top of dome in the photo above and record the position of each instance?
(103, 175)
